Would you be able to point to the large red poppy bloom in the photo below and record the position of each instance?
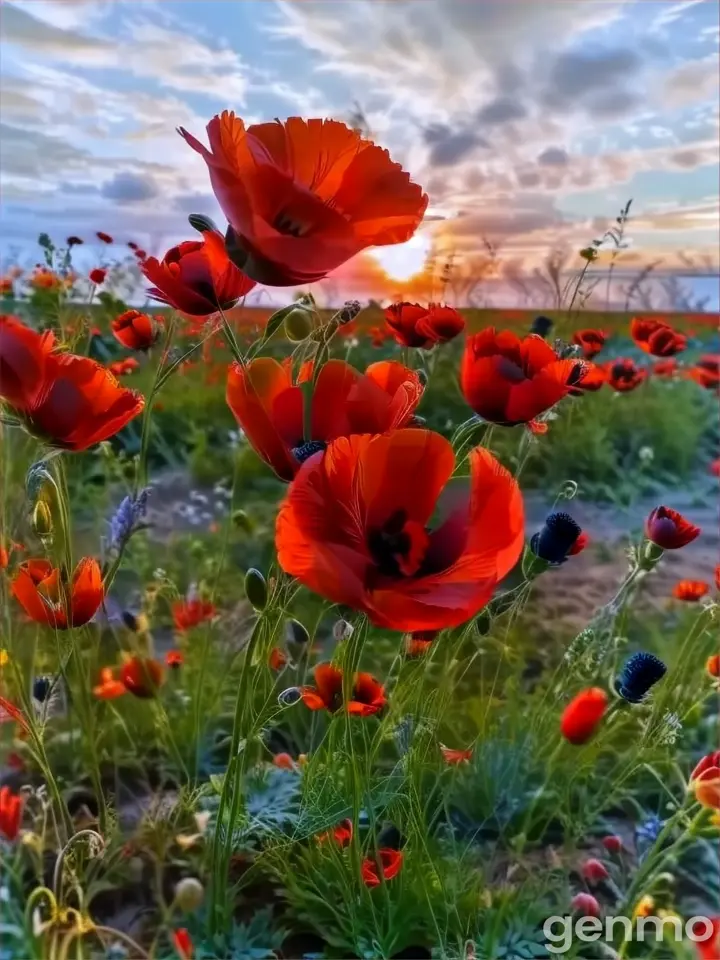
(23, 357)
(367, 698)
(657, 337)
(624, 374)
(135, 330)
(269, 406)
(355, 528)
(386, 866)
(38, 588)
(668, 529)
(414, 326)
(304, 196)
(197, 277)
(508, 380)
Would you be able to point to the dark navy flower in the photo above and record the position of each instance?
(304, 452)
(555, 542)
(128, 518)
(640, 672)
(541, 326)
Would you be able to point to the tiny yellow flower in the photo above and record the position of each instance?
(4, 658)
(645, 907)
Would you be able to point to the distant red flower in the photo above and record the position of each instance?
(594, 870)
(284, 761)
(197, 277)
(183, 944)
(402, 321)
(4, 557)
(712, 665)
(624, 375)
(417, 644)
(121, 368)
(668, 529)
(590, 341)
(191, 613)
(98, 275)
(717, 576)
(706, 371)
(442, 322)
(690, 590)
(708, 949)
(10, 713)
(277, 659)
(105, 237)
(354, 528)
(142, 676)
(269, 406)
(109, 688)
(70, 402)
(304, 196)
(665, 368)
(378, 336)
(509, 380)
(11, 807)
(135, 330)
(174, 659)
(454, 757)
(386, 866)
(582, 715)
(612, 843)
(367, 697)
(342, 834)
(592, 379)
(714, 467)
(585, 904)
(46, 598)
(656, 337)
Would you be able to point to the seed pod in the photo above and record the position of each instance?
(42, 523)
(242, 521)
(290, 696)
(298, 325)
(256, 589)
(342, 630)
(296, 632)
(189, 894)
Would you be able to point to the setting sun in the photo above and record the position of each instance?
(405, 260)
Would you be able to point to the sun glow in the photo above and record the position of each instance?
(404, 260)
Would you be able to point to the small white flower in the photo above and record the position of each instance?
(646, 454)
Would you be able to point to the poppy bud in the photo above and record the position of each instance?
(640, 672)
(42, 520)
(350, 309)
(242, 521)
(668, 529)
(201, 223)
(298, 325)
(189, 894)
(713, 665)
(296, 632)
(97, 276)
(585, 904)
(557, 538)
(342, 630)
(256, 589)
(594, 870)
(290, 696)
(582, 715)
(541, 326)
(612, 843)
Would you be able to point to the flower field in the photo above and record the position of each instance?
(389, 631)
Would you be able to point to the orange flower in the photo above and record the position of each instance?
(142, 676)
(508, 381)
(284, 761)
(135, 330)
(624, 375)
(191, 613)
(367, 697)
(713, 665)
(690, 590)
(705, 781)
(304, 196)
(174, 659)
(582, 715)
(342, 834)
(11, 807)
(277, 659)
(46, 597)
(386, 866)
(182, 943)
(354, 528)
(269, 407)
(197, 277)
(454, 757)
(109, 688)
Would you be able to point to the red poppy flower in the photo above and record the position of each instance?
(11, 807)
(174, 659)
(613, 843)
(182, 943)
(594, 870)
(97, 276)
(135, 330)
(585, 904)
(656, 337)
(508, 380)
(109, 688)
(590, 341)
(441, 322)
(582, 715)
(668, 529)
(717, 576)
(591, 380)
(284, 761)
(142, 676)
(304, 196)
(121, 368)
(191, 613)
(417, 644)
(269, 407)
(4, 557)
(46, 597)
(386, 866)
(367, 698)
(378, 336)
(454, 757)
(402, 321)
(354, 528)
(705, 780)
(105, 237)
(197, 277)
(690, 590)
(714, 467)
(624, 374)
(713, 665)
(277, 659)
(665, 368)
(70, 402)
(342, 834)
(706, 371)
(708, 948)
(23, 358)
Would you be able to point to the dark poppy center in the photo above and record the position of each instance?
(399, 546)
(509, 370)
(290, 226)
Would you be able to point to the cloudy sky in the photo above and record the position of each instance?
(530, 124)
